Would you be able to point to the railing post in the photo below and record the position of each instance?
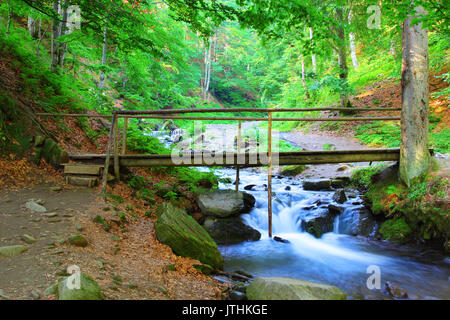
(108, 153)
(124, 137)
(269, 182)
(116, 149)
(239, 142)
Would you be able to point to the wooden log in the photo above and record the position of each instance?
(124, 138)
(239, 142)
(116, 150)
(87, 169)
(269, 177)
(108, 150)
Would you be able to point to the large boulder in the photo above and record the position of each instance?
(291, 289)
(225, 203)
(88, 290)
(185, 236)
(317, 185)
(52, 153)
(230, 230)
(318, 222)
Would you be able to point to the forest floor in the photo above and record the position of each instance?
(128, 262)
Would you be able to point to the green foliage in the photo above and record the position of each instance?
(396, 230)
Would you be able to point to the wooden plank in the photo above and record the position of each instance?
(88, 169)
(116, 150)
(253, 159)
(124, 138)
(269, 177)
(82, 181)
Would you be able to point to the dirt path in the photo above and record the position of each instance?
(127, 261)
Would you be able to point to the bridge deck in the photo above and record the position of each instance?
(247, 159)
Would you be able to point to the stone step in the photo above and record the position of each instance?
(87, 169)
(82, 181)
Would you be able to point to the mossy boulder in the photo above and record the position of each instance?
(317, 185)
(225, 203)
(292, 289)
(11, 251)
(292, 170)
(88, 290)
(230, 230)
(318, 222)
(396, 229)
(52, 153)
(185, 236)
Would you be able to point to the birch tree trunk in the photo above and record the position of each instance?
(304, 78)
(54, 35)
(414, 154)
(102, 74)
(313, 56)
(351, 36)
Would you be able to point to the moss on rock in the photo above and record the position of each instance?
(396, 229)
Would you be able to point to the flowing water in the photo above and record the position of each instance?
(337, 258)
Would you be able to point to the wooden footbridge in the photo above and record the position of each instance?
(238, 159)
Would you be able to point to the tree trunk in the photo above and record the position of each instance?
(342, 58)
(351, 36)
(55, 35)
(313, 56)
(207, 69)
(102, 74)
(414, 154)
(304, 79)
(8, 27)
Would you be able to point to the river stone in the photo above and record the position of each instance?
(230, 230)
(185, 236)
(35, 207)
(292, 170)
(11, 251)
(89, 289)
(28, 239)
(292, 289)
(225, 203)
(78, 241)
(318, 222)
(317, 185)
(339, 196)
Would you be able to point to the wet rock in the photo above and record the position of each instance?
(225, 203)
(237, 296)
(249, 187)
(276, 238)
(317, 185)
(292, 289)
(338, 183)
(395, 291)
(11, 251)
(318, 222)
(335, 210)
(288, 188)
(78, 241)
(358, 222)
(292, 170)
(230, 230)
(35, 206)
(185, 236)
(89, 289)
(339, 196)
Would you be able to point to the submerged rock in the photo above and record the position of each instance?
(292, 289)
(89, 289)
(230, 230)
(225, 203)
(395, 291)
(317, 185)
(276, 238)
(185, 236)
